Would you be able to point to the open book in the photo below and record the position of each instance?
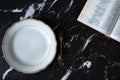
(103, 16)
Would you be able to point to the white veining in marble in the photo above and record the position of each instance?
(67, 45)
(56, 26)
(52, 12)
(105, 75)
(115, 64)
(6, 73)
(17, 10)
(58, 15)
(59, 57)
(66, 75)
(88, 41)
(105, 71)
(13, 10)
(73, 27)
(52, 4)
(70, 5)
(73, 37)
(41, 5)
(29, 12)
(87, 64)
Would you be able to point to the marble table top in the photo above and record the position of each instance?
(87, 54)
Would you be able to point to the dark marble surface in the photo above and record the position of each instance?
(87, 54)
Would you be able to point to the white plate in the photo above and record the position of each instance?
(29, 46)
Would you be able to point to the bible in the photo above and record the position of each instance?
(103, 16)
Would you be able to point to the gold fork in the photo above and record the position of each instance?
(61, 40)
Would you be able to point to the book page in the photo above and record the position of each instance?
(116, 31)
(100, 14)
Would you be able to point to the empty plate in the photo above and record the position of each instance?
(29, 46)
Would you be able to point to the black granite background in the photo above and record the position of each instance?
(87, 54)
